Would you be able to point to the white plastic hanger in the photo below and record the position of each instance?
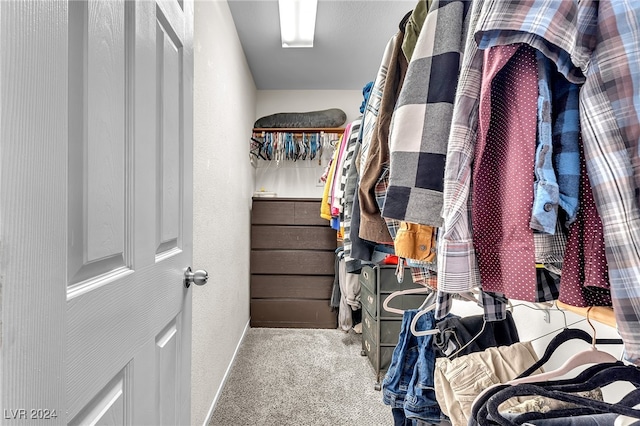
(385, 303)
(588, 356)
(468, 296)
(414, 321)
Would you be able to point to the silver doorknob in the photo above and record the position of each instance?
(199, 277)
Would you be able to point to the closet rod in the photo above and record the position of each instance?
(602, 314)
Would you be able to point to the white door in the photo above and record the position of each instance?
(95, 211)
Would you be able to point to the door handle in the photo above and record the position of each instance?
(199, 277)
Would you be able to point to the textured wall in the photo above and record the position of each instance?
(224, 112)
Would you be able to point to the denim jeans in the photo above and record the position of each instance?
(409, 381)
(399, 419)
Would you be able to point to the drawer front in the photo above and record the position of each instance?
(369, 302)
(269, 237)
(370, 325)
(368, 279)
(292, 313)
(293, 262)
(309, 287)
(403, 302)
(273, 212)
(390, 331)
(386, 353)
(389, 282)
(371, 348)
(307, 212)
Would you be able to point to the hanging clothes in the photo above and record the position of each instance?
(503, 172)
(457, 265)
(610, 113)
(337, 189)
(359, 248)
(350, 187)
(408, 383)
(610, 118)
(585, 277)
(413, 28)
(422, 120)
(325, 207)
(458, 382)
(373, 104)
(372, 226)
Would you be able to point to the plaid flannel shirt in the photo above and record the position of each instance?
(552, 20)
(610, 117)
(601, 38)
(421, 121)
(457, 265)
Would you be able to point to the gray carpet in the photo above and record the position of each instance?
(285, 376)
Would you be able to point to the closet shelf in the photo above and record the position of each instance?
(299, 129)
(602, 314)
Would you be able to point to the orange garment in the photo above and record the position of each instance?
(416, 242)
(325, 207)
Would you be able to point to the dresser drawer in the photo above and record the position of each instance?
(402, 302)
(388, 281)
(384, 276)
(390, 331)
(368, 279)
(369, 302)
(386, 353)
(369, 325)
(371, 348)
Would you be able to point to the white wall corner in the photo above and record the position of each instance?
(225, 377)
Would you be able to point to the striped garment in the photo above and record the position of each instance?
(335, 195)
(346, 191)
(372, 225)
(373, 104)
(422, 119)
(350, 189)
(351, 136)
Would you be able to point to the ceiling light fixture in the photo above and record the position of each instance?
(297, 22)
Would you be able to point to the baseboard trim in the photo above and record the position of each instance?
(225, 377)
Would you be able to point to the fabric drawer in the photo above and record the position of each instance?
(403, 302)
(369, 301)
(386, 353)
(368, 279)
(390, 331)
(370, 325)
(371, 348)
(388, 281)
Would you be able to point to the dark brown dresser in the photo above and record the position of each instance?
(292, 264)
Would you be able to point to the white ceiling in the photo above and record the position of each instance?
(349, 42)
